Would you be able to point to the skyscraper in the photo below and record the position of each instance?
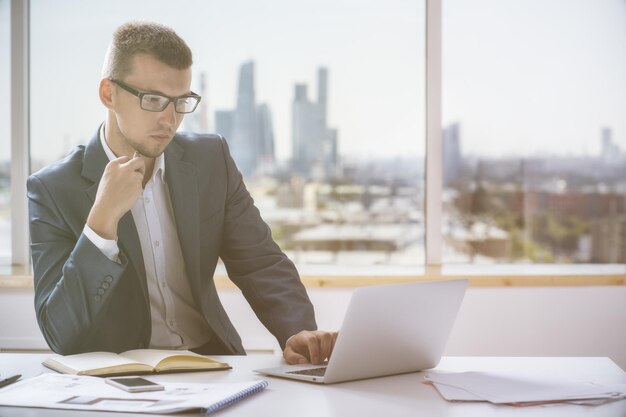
(265, 139)
(248, 128)
(198, 121)
(314, 143)
(610, 151)
(452, 156)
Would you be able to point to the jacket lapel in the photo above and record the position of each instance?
(182, 180)
(128, 240)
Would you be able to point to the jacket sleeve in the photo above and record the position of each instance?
(267, 278)
(74, 280)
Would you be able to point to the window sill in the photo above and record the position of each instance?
(530, 276)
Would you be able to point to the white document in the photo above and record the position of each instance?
(506, 388)
(92, 393)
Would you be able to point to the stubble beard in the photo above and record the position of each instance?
(141, 148)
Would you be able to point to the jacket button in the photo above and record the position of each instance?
(100, 291)
(97, 298)
(105, 285)
(109, 279)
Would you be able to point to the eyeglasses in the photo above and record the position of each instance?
(158, 102)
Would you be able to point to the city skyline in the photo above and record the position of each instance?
(521, 93)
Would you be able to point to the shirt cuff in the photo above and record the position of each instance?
(108, 247)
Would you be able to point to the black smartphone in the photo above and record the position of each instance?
(134, 384)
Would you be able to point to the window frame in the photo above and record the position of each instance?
(20, 125)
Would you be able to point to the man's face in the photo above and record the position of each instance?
(141, 130)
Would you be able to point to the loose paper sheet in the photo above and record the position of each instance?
(506, 388)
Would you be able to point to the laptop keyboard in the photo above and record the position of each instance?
(312, 372)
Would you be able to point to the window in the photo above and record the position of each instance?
(533, 142)
(534, 133)
(324, 119)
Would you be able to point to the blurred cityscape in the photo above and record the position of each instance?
(327, 208)
(321, 208)
(540, 209)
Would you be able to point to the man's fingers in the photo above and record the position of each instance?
(326, 345)
(334, 340)
(310, 347)
(293, 358)
(313, 347)
(135, 164)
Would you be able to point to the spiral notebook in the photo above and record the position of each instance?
(73, 392)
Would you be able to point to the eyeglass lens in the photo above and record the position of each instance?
(155, 102)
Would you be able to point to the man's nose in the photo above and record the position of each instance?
(169, 114)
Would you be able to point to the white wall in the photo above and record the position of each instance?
(539, 321)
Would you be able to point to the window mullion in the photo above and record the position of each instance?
(20, 159)
(434, 170)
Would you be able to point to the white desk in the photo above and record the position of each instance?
(396, 396)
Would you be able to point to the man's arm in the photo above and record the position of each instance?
(267, 278)
(74, 280)
(68, 274)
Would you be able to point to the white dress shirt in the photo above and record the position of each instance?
(176, 321)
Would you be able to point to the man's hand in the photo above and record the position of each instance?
(309, 347)
(118, 190)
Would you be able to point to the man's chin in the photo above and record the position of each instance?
(151, 153)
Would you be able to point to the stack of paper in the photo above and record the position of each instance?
(93, 394)
(500, 388)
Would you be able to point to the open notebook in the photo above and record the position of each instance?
(132, 362)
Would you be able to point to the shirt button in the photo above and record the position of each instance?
(156, 243)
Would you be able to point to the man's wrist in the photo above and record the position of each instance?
(108, 247)
(105, 227)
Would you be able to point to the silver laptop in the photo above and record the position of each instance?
(387, 330)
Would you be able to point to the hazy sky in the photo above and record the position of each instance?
(529, 76)
(522, 76)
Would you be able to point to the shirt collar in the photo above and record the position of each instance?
(159, 162)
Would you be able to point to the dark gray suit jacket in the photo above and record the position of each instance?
(85, 302)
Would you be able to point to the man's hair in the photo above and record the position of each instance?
(151, 38)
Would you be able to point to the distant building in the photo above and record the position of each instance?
(314, 143)
(610, 151)
(198, 121)
(452, 156)
(248, 128)
(224, 122)
(608, 240)
(265, 140)
(585, 205)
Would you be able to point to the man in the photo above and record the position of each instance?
(127, 230)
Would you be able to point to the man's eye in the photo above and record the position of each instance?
(154, 99)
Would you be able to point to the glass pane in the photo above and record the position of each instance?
(321, 103)
(534, 138)
(5, 134)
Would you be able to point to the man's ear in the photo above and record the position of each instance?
(106, 93)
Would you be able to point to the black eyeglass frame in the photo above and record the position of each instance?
(141, 94)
